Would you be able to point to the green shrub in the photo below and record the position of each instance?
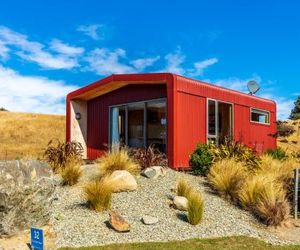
(201, 159)
(277, 153)
(195, 207)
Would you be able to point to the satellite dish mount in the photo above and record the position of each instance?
(253, 87)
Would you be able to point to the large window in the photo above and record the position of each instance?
(139, 124)
(260, 116)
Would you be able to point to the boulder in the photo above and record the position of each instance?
(180, 203)
(154, 172)
(149, 220)
(26, 194)
(123, 181)
(118, 223)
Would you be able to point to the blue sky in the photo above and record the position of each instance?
(48, 48)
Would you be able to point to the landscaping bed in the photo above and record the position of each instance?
(76, 225)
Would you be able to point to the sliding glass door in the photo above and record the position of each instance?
(136, 125)
(139, 124)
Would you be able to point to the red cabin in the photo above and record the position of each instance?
(173, 112)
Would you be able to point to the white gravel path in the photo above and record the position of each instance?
(76, 225)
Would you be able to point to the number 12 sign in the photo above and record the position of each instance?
(37, 238)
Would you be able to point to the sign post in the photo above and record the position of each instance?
(37, 238)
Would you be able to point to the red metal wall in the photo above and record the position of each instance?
(98, 112)
(190, 118)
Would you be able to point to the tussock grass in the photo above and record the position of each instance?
(25, 135)
(183, 188)
(117, 160)
(272, 206)
(227, 177)
(195, 207)
(99, 193)
(71, 173)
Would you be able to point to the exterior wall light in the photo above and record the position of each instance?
(78, 116)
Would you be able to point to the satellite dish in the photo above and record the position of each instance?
(253, 87)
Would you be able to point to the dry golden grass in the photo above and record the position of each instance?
(291, 143)
(272, 207)
(99, 193)
(226, 177)
(25, 135)
(195, 207)
(71, 173)
(282, 171)
(183, 188)
(117, 160)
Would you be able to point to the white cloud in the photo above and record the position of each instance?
(142, 63)
(105, 62)
(66, 49)
(235, 83)
(95, 31)
(3, 51)
(32, 93)
(201, 65)
(174, 62)
(35, 51)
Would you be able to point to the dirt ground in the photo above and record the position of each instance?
(22, 240)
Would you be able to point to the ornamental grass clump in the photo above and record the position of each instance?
(227, 177)
(99, 193)
(183, 188)
(265, 196)
(60, 154)
(71, 173)
(117, 160)
(195, 207)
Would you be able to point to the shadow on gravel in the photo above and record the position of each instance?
(83, 204)
(182, 216)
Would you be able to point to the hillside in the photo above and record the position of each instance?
(292, 142)
(25, 135)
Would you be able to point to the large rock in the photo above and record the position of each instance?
(154, 172)
(118, 223)
(26, 194)
(180, 203)
(123, 181)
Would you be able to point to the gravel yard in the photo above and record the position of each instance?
(76, 225)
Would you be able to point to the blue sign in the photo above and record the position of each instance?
(37, 238)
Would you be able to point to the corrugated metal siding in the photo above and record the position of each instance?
(190, 117)
(98, 109)
(191, 126)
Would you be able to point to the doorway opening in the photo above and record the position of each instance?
(219, 121)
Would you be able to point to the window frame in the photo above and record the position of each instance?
(262, 111)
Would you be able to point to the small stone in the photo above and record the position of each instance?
(154, 172)
(180, 203)
(149, 220)
(118, 223)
